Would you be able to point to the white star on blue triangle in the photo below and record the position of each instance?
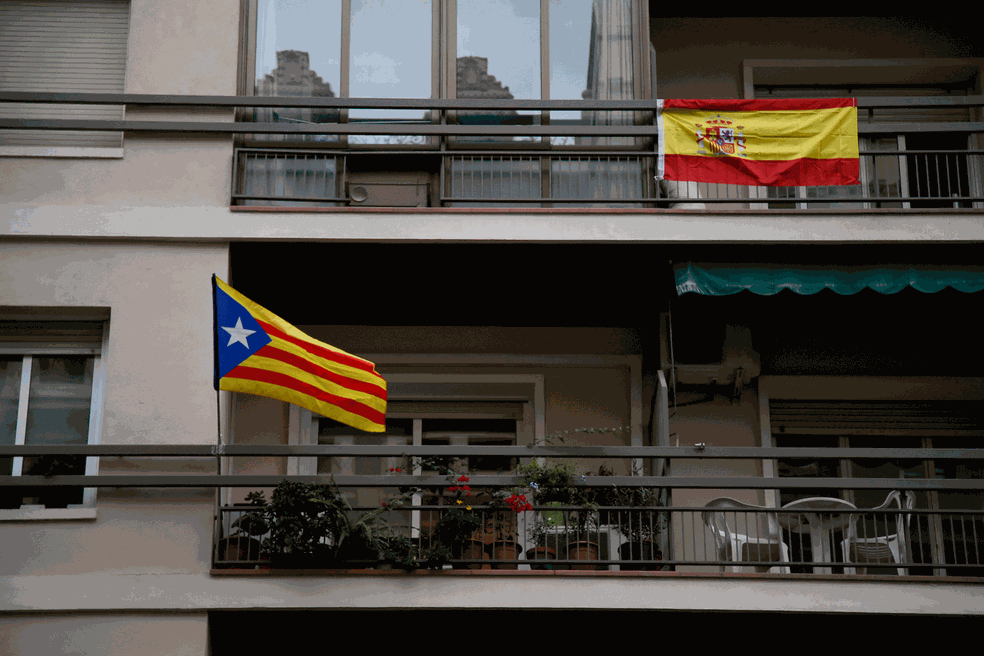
(239, 336)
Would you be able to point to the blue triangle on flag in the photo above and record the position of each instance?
(238, 335)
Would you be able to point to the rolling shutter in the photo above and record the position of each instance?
(846, 418)
(62, 47)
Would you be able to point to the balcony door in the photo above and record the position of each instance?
(945, 537)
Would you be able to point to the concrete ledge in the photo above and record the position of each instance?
(202, 223)
(112, 592)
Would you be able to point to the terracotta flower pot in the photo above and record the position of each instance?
(634, 551)
(238, 548)
(471, 550)
(541, 554)
(583, 550)
(506, 550)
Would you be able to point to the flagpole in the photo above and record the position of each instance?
(217, 511)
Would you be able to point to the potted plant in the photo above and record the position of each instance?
(49, 465)
(641, 525)
(312, 525)
(457, 529)
(243, 543)
(306, 522)
(559, 484)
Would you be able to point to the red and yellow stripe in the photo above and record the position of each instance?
(778, 142)
(299, 369)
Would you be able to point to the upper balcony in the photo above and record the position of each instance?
(308, 154)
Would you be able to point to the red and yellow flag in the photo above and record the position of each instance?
(769, 143)
(258, 352)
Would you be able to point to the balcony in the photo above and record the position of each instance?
(624, 524)
(467, 153)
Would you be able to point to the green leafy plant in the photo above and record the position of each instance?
(313, 525)
(635, 519)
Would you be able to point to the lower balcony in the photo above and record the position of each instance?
(524, 520)
(722, 539)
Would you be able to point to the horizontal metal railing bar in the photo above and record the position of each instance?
(325, 128)
(579, 201)
(425, 129)
(867, 512)
(139, 99)
(875, 153)
(673, 482)
(667, 562)
(895, 128)
(417, 103)
(294, 199)
(544, 150)
(380, 450)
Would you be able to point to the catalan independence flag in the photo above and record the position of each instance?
(768, 143)
(258, 352)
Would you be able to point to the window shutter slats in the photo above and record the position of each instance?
(876, 417)
(29, 335)
(62, 47)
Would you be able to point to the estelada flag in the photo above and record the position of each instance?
(258, 352)
(768, 143)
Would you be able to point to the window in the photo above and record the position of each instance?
(62, 47)
(511, 49)
(50, 393)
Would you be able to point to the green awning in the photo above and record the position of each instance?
(765, 279)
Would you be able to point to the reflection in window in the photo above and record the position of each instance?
(390, 58)
(297, 54)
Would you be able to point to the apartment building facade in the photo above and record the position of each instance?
(463, 193)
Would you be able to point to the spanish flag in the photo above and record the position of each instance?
(768, 143)
(258, 352)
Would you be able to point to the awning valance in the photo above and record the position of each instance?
(725, 279)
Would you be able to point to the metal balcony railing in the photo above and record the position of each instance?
(308, 152)
(637, 523)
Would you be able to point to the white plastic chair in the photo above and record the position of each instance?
(883, 548)
(760, 540)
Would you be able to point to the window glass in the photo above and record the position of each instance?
(311, 28)
(10, 377)
(593, 57)
(391, 58)
(506, 34)
(58, 411)
(498, 56)
(297, 53)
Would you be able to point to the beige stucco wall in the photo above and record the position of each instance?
(718, 422)
(105, 635)
(701, 57)
(158, 390)
(159, 358)
(175, 47)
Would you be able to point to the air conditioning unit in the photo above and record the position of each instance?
(387, 191)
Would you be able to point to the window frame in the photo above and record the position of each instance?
(57, 347)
